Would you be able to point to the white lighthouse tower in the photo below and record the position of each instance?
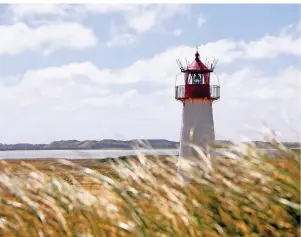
(197, 96)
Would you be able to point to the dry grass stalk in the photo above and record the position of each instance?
(248, 195)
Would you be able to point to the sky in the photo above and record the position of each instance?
(108, 71)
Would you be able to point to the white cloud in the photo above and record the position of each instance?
(19, 37)
(227, 51)
(177, 32)
(30, 11)
(272, 46)
(109, 8)
(201, 20)
(266, 47)
(56, 101)
(138, 18)
(83, 101)
(23, 11)
(146, 17)
(142, 21)
(121, 40)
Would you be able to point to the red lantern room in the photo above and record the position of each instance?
(197, 81)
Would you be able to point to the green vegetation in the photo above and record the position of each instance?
(143, 196)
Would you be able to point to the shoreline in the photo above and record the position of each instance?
(103, 154)
(89, 149)
(128, 149)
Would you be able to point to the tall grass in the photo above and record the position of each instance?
(245, 195)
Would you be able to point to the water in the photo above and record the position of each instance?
(79, 154)
(99, 154)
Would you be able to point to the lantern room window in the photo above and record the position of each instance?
(196, 78)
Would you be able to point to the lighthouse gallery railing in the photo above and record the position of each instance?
(214, 92)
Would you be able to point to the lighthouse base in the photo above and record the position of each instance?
(197, 130)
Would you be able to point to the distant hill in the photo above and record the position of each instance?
(93, 144)
(118, 144)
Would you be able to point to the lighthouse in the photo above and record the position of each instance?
(197, 94)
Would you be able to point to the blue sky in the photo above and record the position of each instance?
(94, 72)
